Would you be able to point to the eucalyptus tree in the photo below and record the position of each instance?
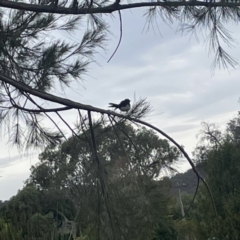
(120, 199)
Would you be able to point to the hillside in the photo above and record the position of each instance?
(187, 181)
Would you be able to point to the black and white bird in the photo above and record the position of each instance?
(123, 105)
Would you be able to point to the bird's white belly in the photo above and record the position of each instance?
(125, 109)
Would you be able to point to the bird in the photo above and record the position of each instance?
(124, 105)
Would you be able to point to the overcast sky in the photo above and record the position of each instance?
(170, 70)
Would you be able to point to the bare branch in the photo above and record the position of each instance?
(89, 108)
(112, 7)
(43, 110)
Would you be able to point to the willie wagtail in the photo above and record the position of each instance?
(123, 105)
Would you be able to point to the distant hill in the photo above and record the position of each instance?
(186, 182)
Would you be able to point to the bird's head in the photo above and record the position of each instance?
(127, 100)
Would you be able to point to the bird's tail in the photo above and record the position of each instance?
(113, 105)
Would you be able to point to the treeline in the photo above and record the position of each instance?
(69, 195)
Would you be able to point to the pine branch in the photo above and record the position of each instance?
(112, 7)
(89, 108)
(43, 110)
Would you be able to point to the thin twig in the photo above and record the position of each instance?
(42, 110)
(82, 120)
(50, 118)
(120, 37)
(93, 137)
(67, 125)
(118, 137)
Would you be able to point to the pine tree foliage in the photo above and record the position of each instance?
(33, 56)
(34, 60)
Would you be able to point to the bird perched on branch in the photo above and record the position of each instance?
(123, 105)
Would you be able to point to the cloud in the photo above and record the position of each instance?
(170, 70)
(13, 174)
(4, 161)
(181, 128)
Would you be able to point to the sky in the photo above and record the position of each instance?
(171, 70)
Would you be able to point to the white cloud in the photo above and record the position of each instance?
(13, 174)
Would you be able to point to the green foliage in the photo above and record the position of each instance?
(23, 212)
(218, 153)
(8, 232)
(33, 214)
(117, 198)
(2, 203)
(223, 170)
(186, 229)
(146, 152)
(67, 191)
(165, 232)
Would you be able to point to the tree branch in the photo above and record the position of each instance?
(89, 108)
(94, 145)
(120, 37)
(30, 99)
(110, 8)
(43, 110)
